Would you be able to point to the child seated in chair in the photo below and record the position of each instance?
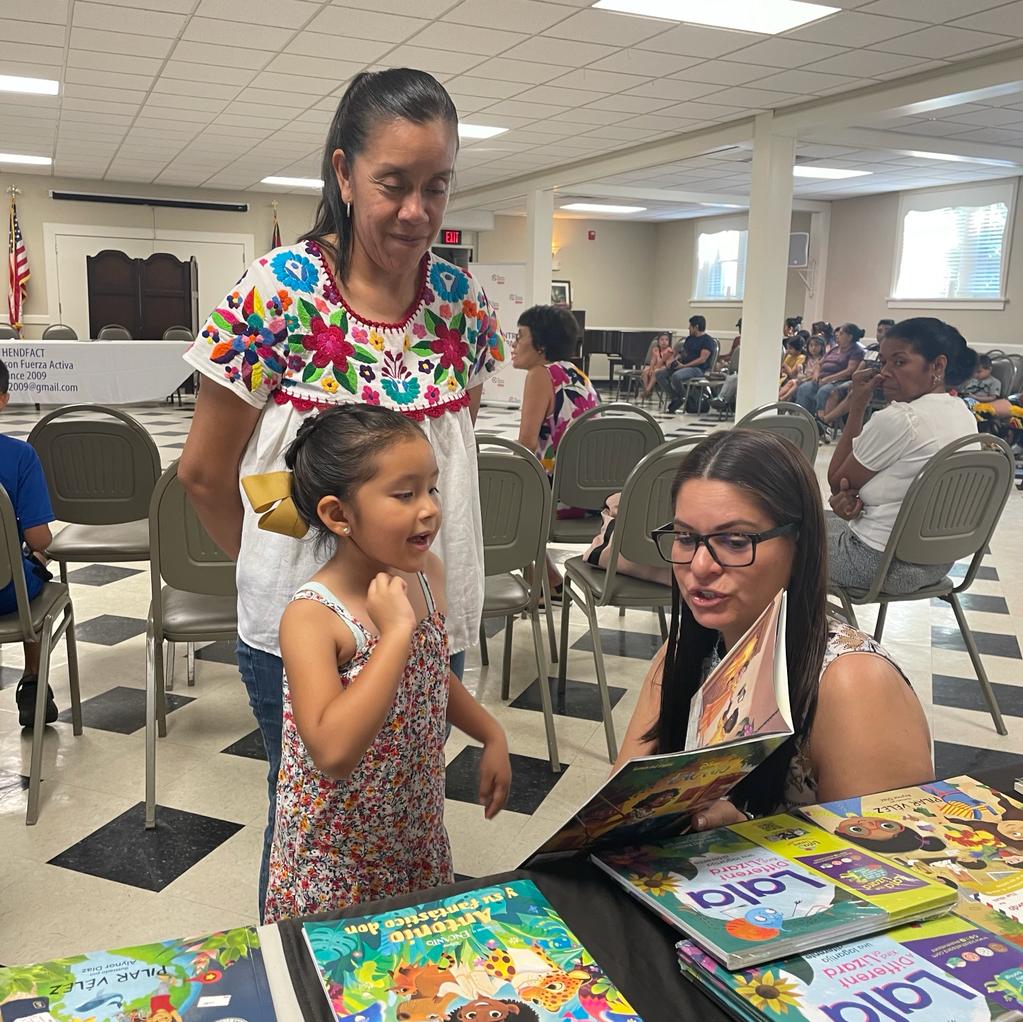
(21, 475)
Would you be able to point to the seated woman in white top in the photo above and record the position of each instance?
(747, 521)
(874, 464)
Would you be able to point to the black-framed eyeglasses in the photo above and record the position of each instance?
(729, 549)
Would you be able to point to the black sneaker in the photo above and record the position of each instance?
(674, 405)
(25, 697)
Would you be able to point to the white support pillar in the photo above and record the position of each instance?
(763, 307)
(539, 238)
(817, 271)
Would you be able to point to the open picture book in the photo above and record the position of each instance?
(738, 717)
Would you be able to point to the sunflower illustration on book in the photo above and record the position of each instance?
(765, 990)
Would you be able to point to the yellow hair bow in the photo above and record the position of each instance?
(270, 496)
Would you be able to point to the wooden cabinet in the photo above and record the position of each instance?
(146, 296)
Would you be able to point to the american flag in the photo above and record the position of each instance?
(275, 238)
(17, 271)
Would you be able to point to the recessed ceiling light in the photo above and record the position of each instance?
(601, 207)
(36, 86)
(767, 16)
(478, 131)
(952, 158)
(293, 182)
(832, 173)
(35, 161)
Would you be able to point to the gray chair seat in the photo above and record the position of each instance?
(51, 594)
(128, 541)
(187, 615)
(939, 588)
(574, 530)
(626, 591)
(505, 594)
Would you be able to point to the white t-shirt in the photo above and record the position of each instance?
(896, 443)
(285, 341)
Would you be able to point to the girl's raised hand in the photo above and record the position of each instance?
(388, 605)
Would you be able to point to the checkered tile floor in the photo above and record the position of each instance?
(88, 875)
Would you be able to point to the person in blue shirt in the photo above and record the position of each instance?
(21, 475)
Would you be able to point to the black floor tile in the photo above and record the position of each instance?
(990, 643)
(965, 694)
(10, 676)
(218, 652)
(614, 642)
(100, 574)
(951, 759)
(121, 709)
(250, 747)
(532, 780)
(582, 698)
(12, 783)
(977, 601)
(125, 852)
(109, 629)
(985, 572)
(176, 447)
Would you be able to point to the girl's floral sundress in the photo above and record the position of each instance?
(379, 832)
(573, 394)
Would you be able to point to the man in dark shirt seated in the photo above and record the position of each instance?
(692, 360)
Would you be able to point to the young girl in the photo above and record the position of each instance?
(809, 370)
(792, 362)
(661, 356)
(367, 690)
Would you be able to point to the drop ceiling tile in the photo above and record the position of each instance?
(104, 41)
(673, 88)
(213, 53)
(517, 108)
(559, 95)
(599, 81)
(111, 18)
(747, 97)
(485, 88)
(629, 104)
(508, 14)
(188, 87)
(113, 95)
(107, 79)
(1005, 20)
(170, 6)
(452, 61)
(702, 111)
(785, 52)
(696, 41)
(294, 63)
(293, 13)
(484, 41)
(52, 11)
(806, 83)
(993, 136)
(91, 116)
(466, 105)
(559, 51)
(994, 117)
(71, 105)
(925, 65)
(657, 122)
(727, 72)
(37, 33)
(329, 46)
(529, 72)
(100, 61)
(646, 62)
(182, 104)
(595, 26)
(854, 28)
(936, 11)
(940, 41)
(28, 53)
(365, 24)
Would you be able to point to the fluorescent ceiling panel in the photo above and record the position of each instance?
(766, 16)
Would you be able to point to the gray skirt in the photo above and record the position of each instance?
(852, 564)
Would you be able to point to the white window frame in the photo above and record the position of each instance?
(980, 193)
(714, 225)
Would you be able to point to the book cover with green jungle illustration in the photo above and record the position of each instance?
(216, 978)
(497, 954)
(769, 888)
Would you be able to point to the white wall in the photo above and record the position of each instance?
(35, 207)
(861, 260)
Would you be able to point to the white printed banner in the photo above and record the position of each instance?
(505, 286)
(93, 372)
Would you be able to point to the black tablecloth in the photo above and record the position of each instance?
(632, 945)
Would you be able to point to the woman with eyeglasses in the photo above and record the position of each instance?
(748, 522)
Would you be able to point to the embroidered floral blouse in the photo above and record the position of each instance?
(284, 340)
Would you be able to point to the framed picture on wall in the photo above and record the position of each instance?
(561, 293)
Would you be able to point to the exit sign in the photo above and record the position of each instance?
(451, 237)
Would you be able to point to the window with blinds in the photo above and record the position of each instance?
(954, 244)
(720, 266)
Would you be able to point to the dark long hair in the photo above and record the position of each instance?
(399, 93)
(932, 337)
(778, 477)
